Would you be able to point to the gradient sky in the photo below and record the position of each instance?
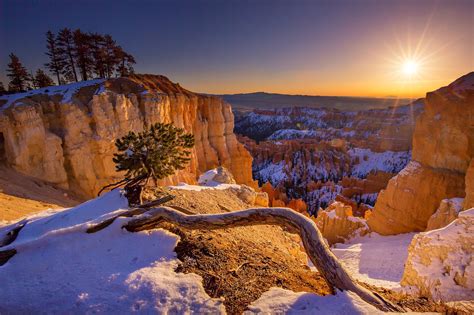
(297, 47)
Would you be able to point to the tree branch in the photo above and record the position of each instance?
(316, 248)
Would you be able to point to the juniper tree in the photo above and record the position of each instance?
(19, 77)
(155, 153)
(2, 89)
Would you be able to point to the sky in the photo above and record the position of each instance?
(354, 48)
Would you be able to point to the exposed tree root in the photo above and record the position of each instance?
(316, 248)
(12, 234)
(130, 213)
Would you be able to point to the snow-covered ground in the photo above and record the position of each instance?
(375, 259)
(59, 268)
(66, 91)
(281, 301)
(368, 161)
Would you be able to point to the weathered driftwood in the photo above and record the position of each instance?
(130, 213)
(316, 248)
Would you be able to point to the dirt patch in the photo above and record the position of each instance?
(239, 264)
(414, 303)
(241, 272)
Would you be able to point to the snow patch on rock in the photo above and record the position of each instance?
(440, 263)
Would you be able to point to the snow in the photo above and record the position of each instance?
(61, 269)
(288, 134)
(387, 161)
(281, 301)
(441, 262)
(375, 259)
(184, 186)
(66, 90)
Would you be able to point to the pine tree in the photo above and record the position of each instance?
(125, 62)
(155, 153)
(98, 54)
(65, 44)
(41, 79)
(2, 89)
(83, 53)
(19, 77)
(56, 62)
(110, 60)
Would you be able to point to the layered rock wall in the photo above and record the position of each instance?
(443, 149)
(69, 139)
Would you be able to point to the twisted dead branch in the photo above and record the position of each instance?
(316, 248)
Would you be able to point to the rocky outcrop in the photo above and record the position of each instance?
(440, 263)
(219, 175)
(469, 199)
(337, 224)
(250, 196)
(65, 135)
(443, 147)
(447, 212)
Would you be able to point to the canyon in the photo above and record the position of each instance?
(390, 190)
(316, 155)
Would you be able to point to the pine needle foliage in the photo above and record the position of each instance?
(156, 152)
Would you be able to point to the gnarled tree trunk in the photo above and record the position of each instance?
(316, 248)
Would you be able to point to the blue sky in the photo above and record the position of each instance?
(304, 47)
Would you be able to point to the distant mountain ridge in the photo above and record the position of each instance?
(264, 100)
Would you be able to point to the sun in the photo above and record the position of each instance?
(410, 67)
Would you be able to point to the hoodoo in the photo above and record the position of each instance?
(443, 150)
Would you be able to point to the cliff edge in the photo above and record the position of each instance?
(443, 150)
(65, 134)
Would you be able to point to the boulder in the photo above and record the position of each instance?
(447, 212)
(248, 195)
(412, 197)
(469, 199)
(440, 263)
(219, 175)
(337, 224)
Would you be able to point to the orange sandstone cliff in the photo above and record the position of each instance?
(441, 166)
(65, 134)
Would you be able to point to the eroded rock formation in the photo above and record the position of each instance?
(440, 264)
(65, 135)
(337, 224)
(447, 212)
(443, 149)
